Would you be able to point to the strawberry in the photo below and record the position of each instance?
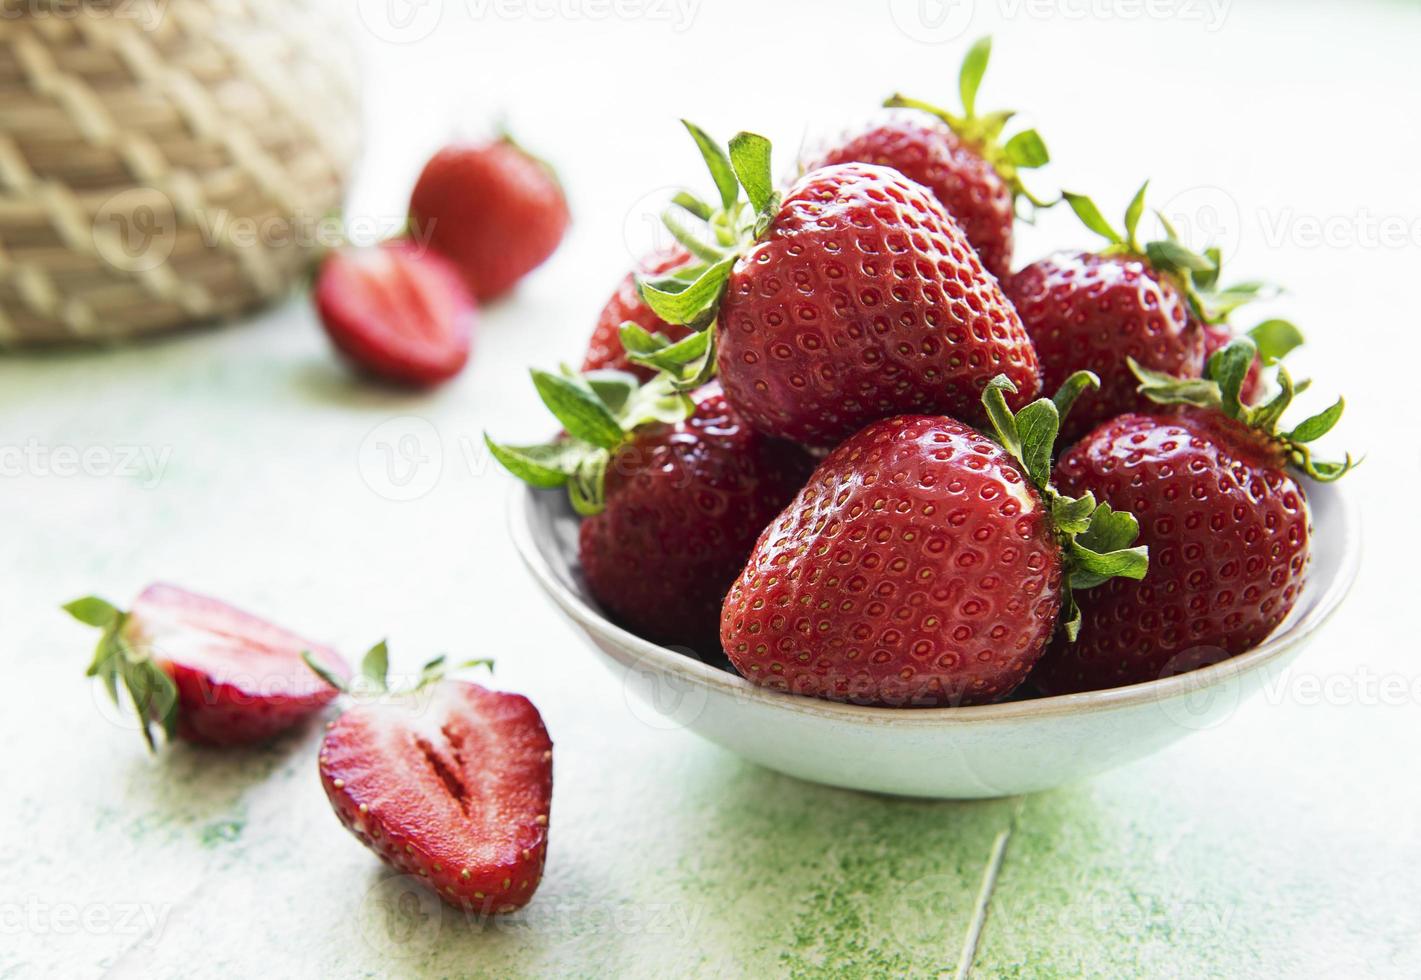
(855, 298)
(1094, 311)
(925, 564)
(398, 311)
(960, 158)
(604, 351)
(1226, 521)
(202, 670)
(673, 489)
(450, 782)
(492, 208)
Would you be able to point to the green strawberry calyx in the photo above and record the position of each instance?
(1096, 540)
(982, 134)
(690, 295)
(600, 412)
(374, 676)
(117, 658)
(1219, 390)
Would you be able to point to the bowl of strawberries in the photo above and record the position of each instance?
(839, 491)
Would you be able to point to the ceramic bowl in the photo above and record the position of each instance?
(951, 753)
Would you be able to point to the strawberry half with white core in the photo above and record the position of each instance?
(201, 670)
(673, 488)
(1226, 521)
(854, 297)
(448, 781)
(924, 564)
(960, 157)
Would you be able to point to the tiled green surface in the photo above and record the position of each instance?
(1283, 843)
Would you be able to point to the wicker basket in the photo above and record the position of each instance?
(163, 162)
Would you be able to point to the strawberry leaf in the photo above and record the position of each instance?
(1275, 340)
(1027, 150)
(322, 671)
(688, 240)
(692, 302)
(969, 78)
(587, 488)
(92, 611)
(750, 158)
(546, 466)
(1319, 425)
(1000, 415)
(1037, 425)
(1133, 213)
(1091, 217)
(375, 667)
(716, 162)
(579, 410)
(614, 388)
(693, 204)
(1071, 389)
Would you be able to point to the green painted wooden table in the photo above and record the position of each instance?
(244, 462)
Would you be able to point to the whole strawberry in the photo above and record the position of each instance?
(397, 311)
(924, 564)
(605, 351)
(449, 782)
(854, 298)
(960, 158)
(673, 490)
(1225, 519)
(204, 671)
(1094, 311)
(492, 208)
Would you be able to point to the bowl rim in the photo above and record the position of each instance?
(521, 506)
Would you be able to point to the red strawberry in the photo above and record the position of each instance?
(959, 158)
(1095, 311)
(399, 312)
(450, 782)
(1226, 522)
(605, 350)
(673, 498)
(497, 211)
(203, 670)
(860, 301)
(923, 564)
(855, 298)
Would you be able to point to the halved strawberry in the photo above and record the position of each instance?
(451, 782)
(203, 670)
(401, 312)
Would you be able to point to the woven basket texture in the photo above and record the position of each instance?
(164, 162)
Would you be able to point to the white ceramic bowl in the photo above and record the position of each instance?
(959, 753)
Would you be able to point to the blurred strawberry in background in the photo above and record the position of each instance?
(493, 208)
